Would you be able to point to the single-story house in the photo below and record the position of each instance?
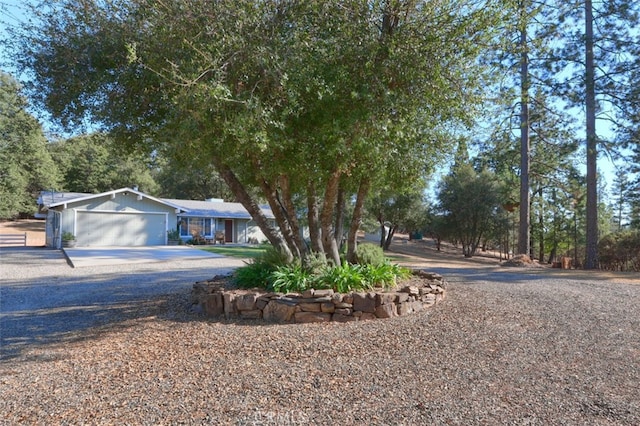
(128, 217)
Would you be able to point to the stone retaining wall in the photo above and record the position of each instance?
(214, 300)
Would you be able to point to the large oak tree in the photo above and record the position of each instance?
(309, 102)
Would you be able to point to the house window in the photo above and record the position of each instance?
(190, 226)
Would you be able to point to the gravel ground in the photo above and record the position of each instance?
(522, 349)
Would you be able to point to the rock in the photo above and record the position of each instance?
(252, 314)
(307, 317)
(401, 297)
(310, 307)
(213, 305)
(404, 308)
(344, 311)
(323, 293)
(417, 306)
(337, 298)
(385, 298)
(386, 311)
(411, 290)
(308, 294)
(428, 275)
(343, 305)
(367, 316)
(276, 311)
(327, 307)
(364, 302)
(230, 310)
(348, 298)
(261, 302)
(343, 318)
(246, 302)
(323, 299)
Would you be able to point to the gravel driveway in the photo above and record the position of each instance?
(510, 347)
(43, 299)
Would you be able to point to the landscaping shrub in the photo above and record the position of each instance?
(292, 278)
(270, 271)
(620, 251)
(344, 278)
(315, 263)
(384, 275)
(370, 254)
(258, 272)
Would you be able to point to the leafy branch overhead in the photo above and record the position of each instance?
(304, 101)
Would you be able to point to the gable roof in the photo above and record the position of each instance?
(217, 209)
(193, 208)
(55, 199)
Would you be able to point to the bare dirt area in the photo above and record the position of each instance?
(423, 254)
(33, 227)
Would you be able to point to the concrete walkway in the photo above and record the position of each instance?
(103, 256)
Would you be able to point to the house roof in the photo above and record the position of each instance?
(54, 199)
(193, 208)
(218, 209)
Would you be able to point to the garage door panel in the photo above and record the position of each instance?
(120, 229)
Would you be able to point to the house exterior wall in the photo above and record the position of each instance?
(128, 203)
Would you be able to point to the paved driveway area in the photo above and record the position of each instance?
(44, 299)
(102, 256)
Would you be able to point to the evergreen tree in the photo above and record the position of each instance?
(26, 168)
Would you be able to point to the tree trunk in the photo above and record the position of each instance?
(356, 220)
(541, 236)
(281, 216)
(387, 242)
(291, 215)
(313, 217)
(252, 207)
(383, 231)
(326, 218)
(340, 212)
(592, 144)
(523, 230)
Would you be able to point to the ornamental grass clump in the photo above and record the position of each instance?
(271, 271)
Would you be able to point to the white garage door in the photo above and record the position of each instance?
(120, 229)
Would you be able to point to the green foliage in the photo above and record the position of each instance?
(259, 271)
(344, 278)
(173, 234)
(291, 278)
(270, 271)
(620, 251)
(470, 202)
(68, 236)
(370, 254)
(26, 168)
(332, 96)
(95, 163)
(315, 262)
(384, 275)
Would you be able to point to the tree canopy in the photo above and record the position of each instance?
(301, 100)
(26, 166)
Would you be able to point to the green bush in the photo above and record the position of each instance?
(291, 278)
(620, 251)
(258, 272)
(270, 271)
(384, 275)
(315, 263)
(370, 254)
(344, 278)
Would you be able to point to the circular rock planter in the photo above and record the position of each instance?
(423, 290)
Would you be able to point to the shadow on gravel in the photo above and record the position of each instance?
(56, 309)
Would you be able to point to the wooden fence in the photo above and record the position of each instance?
(13, 239)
